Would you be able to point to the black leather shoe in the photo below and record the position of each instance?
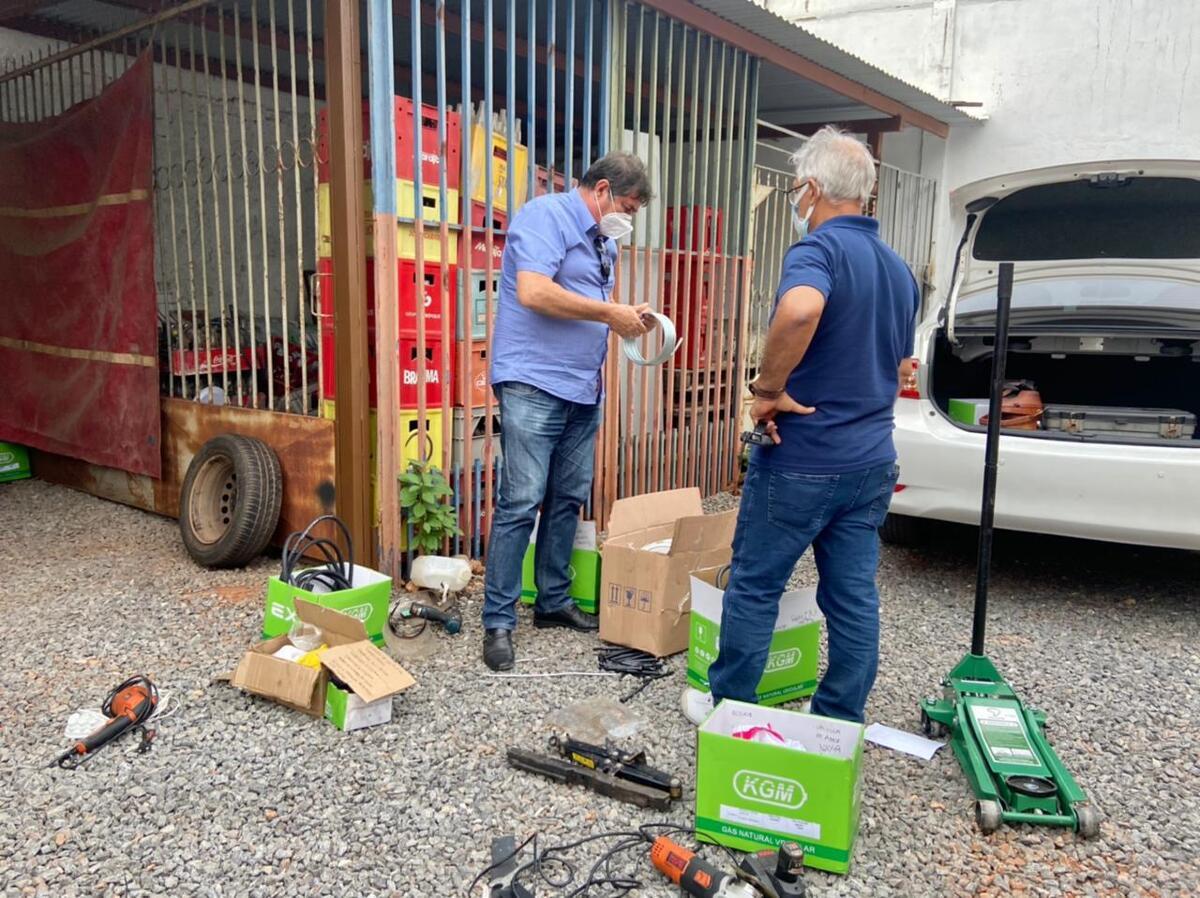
(570, 617)
(498, 649)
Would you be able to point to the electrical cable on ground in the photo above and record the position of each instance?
(335, 573)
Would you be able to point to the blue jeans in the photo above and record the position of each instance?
(548, 451)
(781, 515)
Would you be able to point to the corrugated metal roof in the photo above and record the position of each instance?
(771, 26)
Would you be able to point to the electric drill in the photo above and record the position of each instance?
(128, 705)
(695, 875)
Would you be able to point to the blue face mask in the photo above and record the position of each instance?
(801, 224)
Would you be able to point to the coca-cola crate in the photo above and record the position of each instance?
(431, 154)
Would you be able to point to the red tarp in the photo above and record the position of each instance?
(78, 321)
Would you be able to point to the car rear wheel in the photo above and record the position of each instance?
(229, 503)
(902, 530)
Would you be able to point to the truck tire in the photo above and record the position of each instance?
(902, 530)
(229, 503)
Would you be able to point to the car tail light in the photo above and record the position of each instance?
(909, 388)
(899, 488)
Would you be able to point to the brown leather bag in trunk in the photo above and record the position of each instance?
(1021, 407)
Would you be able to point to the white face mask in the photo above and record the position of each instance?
(615, 225)
(798, 221)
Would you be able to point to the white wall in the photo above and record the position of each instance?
(1061, 81)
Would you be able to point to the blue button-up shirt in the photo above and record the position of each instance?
(554, 235)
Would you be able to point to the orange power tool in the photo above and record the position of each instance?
(695, 875)
(130, 704)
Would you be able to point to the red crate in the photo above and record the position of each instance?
(480, 384)
(435, 379)
(439, 300)
(541, 181)
(431, 155)
(187, 362)
(479, 239)
(705, 228)
(434, 302)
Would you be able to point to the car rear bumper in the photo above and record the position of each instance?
(1141, 494)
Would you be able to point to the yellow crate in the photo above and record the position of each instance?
(406, 244)
(500, 163)
(410, 452)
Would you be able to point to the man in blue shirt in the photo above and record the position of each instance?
(548, 349)
(839, 342)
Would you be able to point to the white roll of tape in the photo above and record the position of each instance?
(633, 352)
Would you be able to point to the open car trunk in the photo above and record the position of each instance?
(1111, 374)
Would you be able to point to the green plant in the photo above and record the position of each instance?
(422, 489)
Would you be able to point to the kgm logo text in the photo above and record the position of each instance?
(768, 789)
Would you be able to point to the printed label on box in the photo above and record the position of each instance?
(801, 828)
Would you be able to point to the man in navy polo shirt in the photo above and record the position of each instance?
(548, 348)
(839, 341)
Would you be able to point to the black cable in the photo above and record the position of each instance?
(335, 573)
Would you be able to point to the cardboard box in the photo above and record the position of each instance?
(14, 462)
(348, 712)
(584, 570)
(645, 593)
(366, 602)
(795, 646)
(968, 411)
(753, 795)
(367, 671)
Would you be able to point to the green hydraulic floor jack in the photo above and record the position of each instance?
(1001, 744)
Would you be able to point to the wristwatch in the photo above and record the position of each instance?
(760, 393)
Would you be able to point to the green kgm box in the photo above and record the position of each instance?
(752, 795)
(14, 462)
(367, 602)
(584, 570)
(795, 646)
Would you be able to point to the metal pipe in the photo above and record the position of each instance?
(569, 83)
(551, 73)
(187, 222)
(674, 375)
(419, 234)
(262, 217)
(200, 218)
(648, 424)
(662, 377)
(250, 254)
(316, 187)
(464, 307)
(720, 148)
(281, 218)
(212, 144)
(298, 252)
(447, 337)
(589, 40)
(233, 270)
(531, 102)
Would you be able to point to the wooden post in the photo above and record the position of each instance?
(351, 433)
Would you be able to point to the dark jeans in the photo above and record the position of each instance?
(781, 515)
(548, 448)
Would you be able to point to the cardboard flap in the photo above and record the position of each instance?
(366, 670)
(339, 629)
(639, 512)
(292, 684)
(705, 531)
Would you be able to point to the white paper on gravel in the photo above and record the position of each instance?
(899, 740)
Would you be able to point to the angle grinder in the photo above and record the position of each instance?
(696, 876)
(129, 705)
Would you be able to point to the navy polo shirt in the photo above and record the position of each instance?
(850, 371)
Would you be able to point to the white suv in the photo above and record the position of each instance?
(1105, 316)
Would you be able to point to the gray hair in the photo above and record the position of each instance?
(839, 162)
(625, 174)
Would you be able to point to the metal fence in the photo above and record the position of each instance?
(904, 204)
(507, 100)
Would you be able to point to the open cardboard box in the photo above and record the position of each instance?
(351, 657)
(644, 593)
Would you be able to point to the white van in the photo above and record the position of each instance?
(1105, 321)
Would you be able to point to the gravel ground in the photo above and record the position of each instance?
(243, 797)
